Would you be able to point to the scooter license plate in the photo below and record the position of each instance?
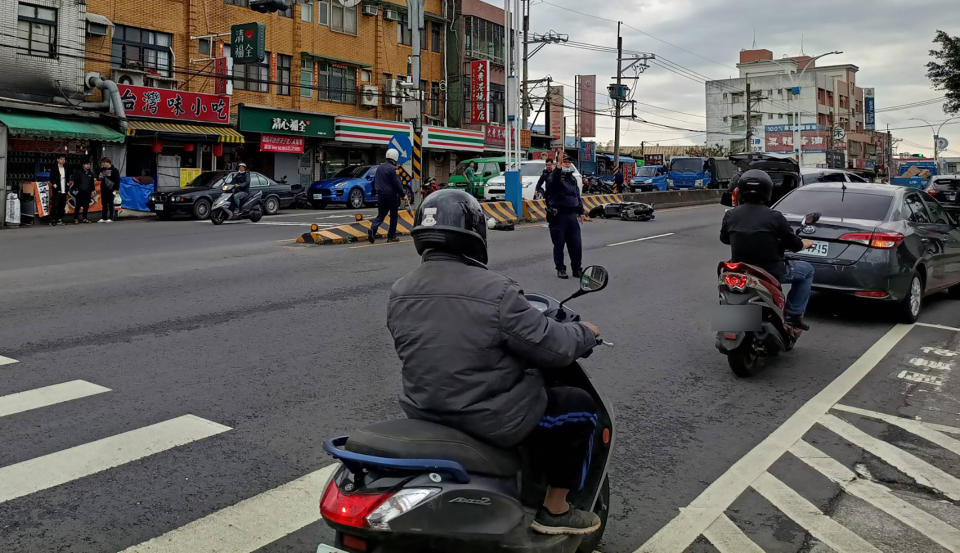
(737, 318)
(327, 549)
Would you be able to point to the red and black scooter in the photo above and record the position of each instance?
(750, 321)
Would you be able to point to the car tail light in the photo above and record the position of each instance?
(350, 510)
(871, 293)
(729, 335)
(879, 240)
(735, 281)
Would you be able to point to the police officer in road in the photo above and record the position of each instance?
(389, 189)
(564, 213)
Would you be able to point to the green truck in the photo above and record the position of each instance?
(486, 168)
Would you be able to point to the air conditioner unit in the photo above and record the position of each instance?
(128, 76)
(391, 93)
(391, 15)
(370, 9)
(368, 97)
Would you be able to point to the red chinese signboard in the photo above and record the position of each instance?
(220, 69)
(479, 91)
(779, 139)
(588, 105)
(495, 135)
(281, 144)
(161, 103)
(555, 100)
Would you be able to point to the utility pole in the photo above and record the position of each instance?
(749, 137)
(616, 119)
(525, 107)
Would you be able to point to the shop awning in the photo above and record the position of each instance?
(223, 134)
(23, 124)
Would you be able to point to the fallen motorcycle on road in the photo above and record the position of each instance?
(625, 211)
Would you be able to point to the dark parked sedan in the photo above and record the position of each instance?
(877, 241)
(946, 189)
(195, 200)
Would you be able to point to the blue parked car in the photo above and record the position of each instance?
(352, 185)
(649, 178)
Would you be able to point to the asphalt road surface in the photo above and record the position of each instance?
(166, 386)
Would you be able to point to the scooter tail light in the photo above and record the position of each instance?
(731, 266)
(350, 509)
(399, 503)
(736, 281)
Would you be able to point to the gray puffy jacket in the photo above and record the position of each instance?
(472, 347)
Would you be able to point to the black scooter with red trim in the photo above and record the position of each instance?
(750, 320)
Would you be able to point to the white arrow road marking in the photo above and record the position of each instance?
(7, 360)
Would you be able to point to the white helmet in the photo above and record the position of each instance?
(393, 154)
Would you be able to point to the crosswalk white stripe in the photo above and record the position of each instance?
(48, 395)
(879, 496)
(923, 472)
(727, 537)
(6, 360)
(690, 523)
(806, 514)
(63, 466)
(249, 524)
(917, 428)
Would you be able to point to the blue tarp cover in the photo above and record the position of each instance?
(135, 194)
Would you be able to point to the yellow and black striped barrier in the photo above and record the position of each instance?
(502, 212)
(354, 232)
(536, 210)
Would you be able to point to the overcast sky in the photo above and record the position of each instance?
(888, 40)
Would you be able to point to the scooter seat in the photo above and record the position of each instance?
(417, 439)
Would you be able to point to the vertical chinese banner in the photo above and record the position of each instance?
(220, 70)
(869, 110)
(588, 105)
(555, 97)
(479, 91)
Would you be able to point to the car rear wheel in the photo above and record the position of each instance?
(912, 302)
(356, 198)
(201, 209)
(271, 206)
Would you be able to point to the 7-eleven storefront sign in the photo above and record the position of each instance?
(368, 131)
(443, 138)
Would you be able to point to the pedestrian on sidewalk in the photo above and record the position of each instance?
(544, 177)
(59, 184)
(564, 214)
(109, 184)
(83, 181)
(389, 189)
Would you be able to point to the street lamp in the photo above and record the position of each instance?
(795, 81)
(936, 136)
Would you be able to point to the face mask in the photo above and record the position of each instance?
(568, 169)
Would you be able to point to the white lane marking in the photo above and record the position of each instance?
(940, 351)
(941, 327)
(680, 532)
(250, 524)
(923, 472)
(7, 360)
(924, 430)
(261, 223)
(879, 496)
(939, 365)
(806, 514)
(57, 468)
(640, 239)
(48, 395)
(728, 538)
(920, 377)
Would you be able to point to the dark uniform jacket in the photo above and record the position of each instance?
(387, 183)
(562, 193)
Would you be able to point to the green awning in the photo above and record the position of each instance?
(22, 124)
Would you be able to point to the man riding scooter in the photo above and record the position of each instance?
(241, 187)
(758, 236)
(467, 338)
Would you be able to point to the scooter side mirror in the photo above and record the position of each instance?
(592, 279)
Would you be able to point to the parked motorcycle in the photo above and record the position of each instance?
(429, 186)
(412, 486)
(221, 210)
(750, 321)
(596, 185)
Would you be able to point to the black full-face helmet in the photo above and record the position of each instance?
(451, 221)
(755, 186)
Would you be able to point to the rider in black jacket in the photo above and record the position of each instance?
(758, 236)
(241, 186)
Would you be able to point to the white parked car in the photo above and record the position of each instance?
(530, 172)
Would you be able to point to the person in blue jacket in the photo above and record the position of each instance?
(564, 213)
(389, 189)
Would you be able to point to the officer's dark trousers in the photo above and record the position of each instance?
(565, 229)
(384, 208)
(561, 445)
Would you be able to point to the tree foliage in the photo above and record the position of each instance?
(944, 71)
